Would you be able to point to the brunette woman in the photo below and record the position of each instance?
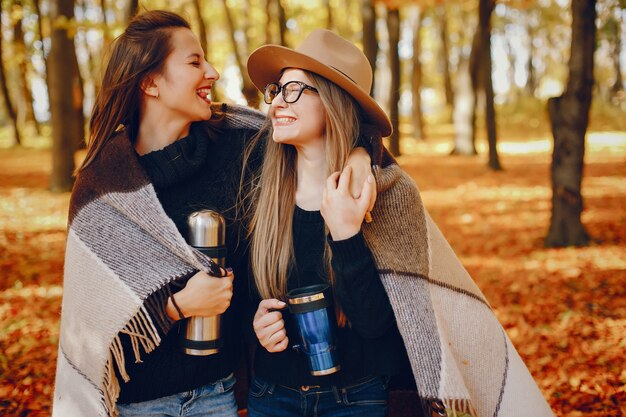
(158, 151)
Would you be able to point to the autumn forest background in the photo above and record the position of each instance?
(509, 115)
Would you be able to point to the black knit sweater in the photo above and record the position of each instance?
(201, 171)
(371, 345)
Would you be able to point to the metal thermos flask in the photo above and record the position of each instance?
(206, 233)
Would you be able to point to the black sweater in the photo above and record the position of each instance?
(371, 345)
(194, 173)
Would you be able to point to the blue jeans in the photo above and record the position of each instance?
(367, 398)
(213, 400)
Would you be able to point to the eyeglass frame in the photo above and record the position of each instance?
(282, 90)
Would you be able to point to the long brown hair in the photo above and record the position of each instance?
(275, 189)
(138, 52)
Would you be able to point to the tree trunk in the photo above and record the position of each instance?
(205, 42)
(393, 26)
(329, 15)
(201, 26)
(485, 8)
(445, 52)
(282, 23)
(465, 103)
(93, 63)
(106, 26)
(513, 93)
(40, 33)
(25, 107)
(618, 85)
(531, 83)
(44, 56)
(78, 95)
(418, 119)
(268, 21)
(133, 8)
(569, 116)
(65, 96)
(248, 89)
(247, 25)
(7, 97)
(370, 42)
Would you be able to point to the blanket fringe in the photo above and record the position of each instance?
(111, 389)
(448, 407)
(141, 331)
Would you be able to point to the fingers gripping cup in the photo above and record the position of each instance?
(315, 318)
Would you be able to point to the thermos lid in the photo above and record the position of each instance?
(307, 294)
(206, 228)
(310, 298)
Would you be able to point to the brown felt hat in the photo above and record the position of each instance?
(329, 55)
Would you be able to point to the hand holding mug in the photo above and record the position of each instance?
(269, 325)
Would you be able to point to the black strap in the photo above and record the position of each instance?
(214, 251)
(201, 344)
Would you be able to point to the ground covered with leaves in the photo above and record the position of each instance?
(564, 309)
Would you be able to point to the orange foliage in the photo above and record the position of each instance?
(564, 309)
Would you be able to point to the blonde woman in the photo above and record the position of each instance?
(403, 300)
(301, 196)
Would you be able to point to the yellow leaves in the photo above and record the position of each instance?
(17, 13)
(396, 4)
(64, 24)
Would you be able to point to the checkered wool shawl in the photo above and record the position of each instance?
(462, 360)
(122, 251)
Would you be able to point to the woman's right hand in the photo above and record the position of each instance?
(269, 325)
(343, 213)
(205, 295)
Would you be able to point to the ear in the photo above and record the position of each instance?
(149, 87)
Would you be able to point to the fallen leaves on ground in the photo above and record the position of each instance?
(564, 309)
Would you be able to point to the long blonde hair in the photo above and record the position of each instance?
(271, 220)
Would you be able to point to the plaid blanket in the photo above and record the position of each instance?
(122, 251)
(462, 360)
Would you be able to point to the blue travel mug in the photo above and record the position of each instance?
(315, 318)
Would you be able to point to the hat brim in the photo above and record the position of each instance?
(267, 62)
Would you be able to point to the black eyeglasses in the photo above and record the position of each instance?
(291, 91)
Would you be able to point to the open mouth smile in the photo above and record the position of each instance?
(205, 94)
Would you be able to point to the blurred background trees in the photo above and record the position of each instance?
(480, 66)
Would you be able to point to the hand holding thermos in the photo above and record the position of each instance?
(205, 295)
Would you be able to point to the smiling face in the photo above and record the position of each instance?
(302, 122)
(184, 86)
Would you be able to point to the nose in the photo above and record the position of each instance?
(211, 73)
(279, 101)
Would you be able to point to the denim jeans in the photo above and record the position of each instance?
(213, 400)
(367, 398)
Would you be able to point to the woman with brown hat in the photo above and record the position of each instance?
(403, 299)
(318, 97)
